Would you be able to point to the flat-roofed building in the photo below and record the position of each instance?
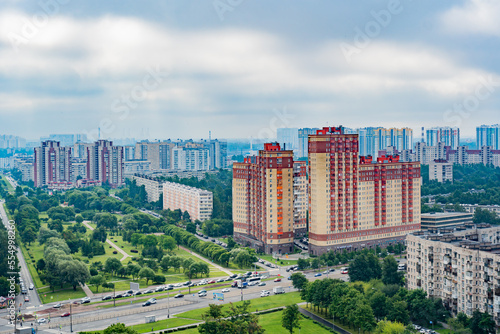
(197, 202)
(153, 186)
(445, 219)
(441, 170)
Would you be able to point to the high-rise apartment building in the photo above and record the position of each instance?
(197, 202)
(488, 135)
(263, 200)
(448, 136)
(217, 154)
(373, 140)
(354, 203)
(105, 163)
(303, 144)
(300, 198)
(52, 164)
(158, 153)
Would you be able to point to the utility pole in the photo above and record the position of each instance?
(114, 295)
(168, 304)
(70, 319)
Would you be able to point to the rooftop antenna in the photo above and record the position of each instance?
(209, 135)
(99, 133)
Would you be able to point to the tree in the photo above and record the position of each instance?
(112, 265)
(291, 318)
(165, 263)
(97, 280)
(100, 234)
(119, 329)
(364, 268)
(29, 235)
(390, 273)
(133, 269)
(388, 327)
(79, 219)
(175, 262)
(191, 228)
(168, 243)
(378, 303)
(481, 323)
(299, 281)
(147, 273)
(230, 243)
(46, 234)
(74, 272)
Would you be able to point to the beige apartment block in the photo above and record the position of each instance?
(197, 202)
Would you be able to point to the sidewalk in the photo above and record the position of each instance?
(87, 291)
(322, 321)
(125, 255)
(208, 261)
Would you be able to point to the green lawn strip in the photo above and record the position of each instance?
(444, 331)
(43, 215)
(163, 324)
(286, 262)
(125, 246)
(271, 322)
(34, 274)
(337, 323)
(47, 296)
(263, 303)
(9, 186)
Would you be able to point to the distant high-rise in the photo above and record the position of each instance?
(218, 154)
(303, 134)
(105, 163)
(372, 140)
(488, 135)
(448, 136)
(52, 164)
(288, 138)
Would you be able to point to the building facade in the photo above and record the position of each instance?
(263, 200)
(300, 198)
(197, 202)
(354, 203)
(446, 135)
(461, 268)
(488, 135)
(105, 163)
(303, 144)
(439, 220)
(153, 186)
(441, 170)
(52, 164)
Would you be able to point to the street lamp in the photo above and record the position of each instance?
(70, 319)
(168, 304)
(114, 295)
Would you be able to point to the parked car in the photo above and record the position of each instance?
(262, 284)
(277, 279)
(42, 321)
(317, 275)
(137, 293)
(32, 286)
(344, 270)
(225, 290)
(67, 314)
(179, 295)
(169, 288)
(85, 300)
(211, 282)
(107, 297)
(160, 288)
(58, 305)
(148, 291)
(233, 275)
(26, 299)
(120, 295)
(220, 280)
(126, 294)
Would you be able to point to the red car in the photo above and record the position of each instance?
(277, 279)
(67, 314)
(211, 282)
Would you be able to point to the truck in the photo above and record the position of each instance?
(278, 290)
(239, 284)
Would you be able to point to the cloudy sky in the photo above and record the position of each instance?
(241, 68)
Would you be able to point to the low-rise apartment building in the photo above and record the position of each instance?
(197, 202)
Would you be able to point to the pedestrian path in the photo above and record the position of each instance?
(125, 255)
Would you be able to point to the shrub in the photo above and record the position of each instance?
(134, 251)
(115, 252)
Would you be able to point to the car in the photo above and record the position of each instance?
(326, 272)
(179, 295)
(211, 282)
(148, 291)
(289, 278)
(58, 305)
(130, 292)
(126, 294)
(344, 271)
(108, 297)
(160, 288)
(85, 301)
(169, 288)
(26, 299)
(67, 314)
(213, 240)
(233, 276)
(178, 285)
(152, 300)
(228, 279)
(225, 290)
(317, 275)
(187, 283)
(277, 279)
(137, 293)
(417, 327)
(220, 280)
(265, 293)
(262, 284)
(147, 303)
(202, 291)
(202, 294)
(32, 286)
(42, 321)
(261, 261)
(120, 295)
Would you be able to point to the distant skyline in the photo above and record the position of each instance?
(242, 69)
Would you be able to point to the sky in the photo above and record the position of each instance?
(243, 68)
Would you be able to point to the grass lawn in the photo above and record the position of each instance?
(47, 296)
(339, 324)
(163, 324)
(264, 303)
(37, 252)
(286, 262)
(126, 246)
(444, 331)
(271, 322)
(9, 186)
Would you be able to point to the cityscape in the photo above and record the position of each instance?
(240, 167)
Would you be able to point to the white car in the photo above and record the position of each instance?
(152, 300)
(253, 283)
(202, 294)
(42, 321)
(225, 290)
(265, 294)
